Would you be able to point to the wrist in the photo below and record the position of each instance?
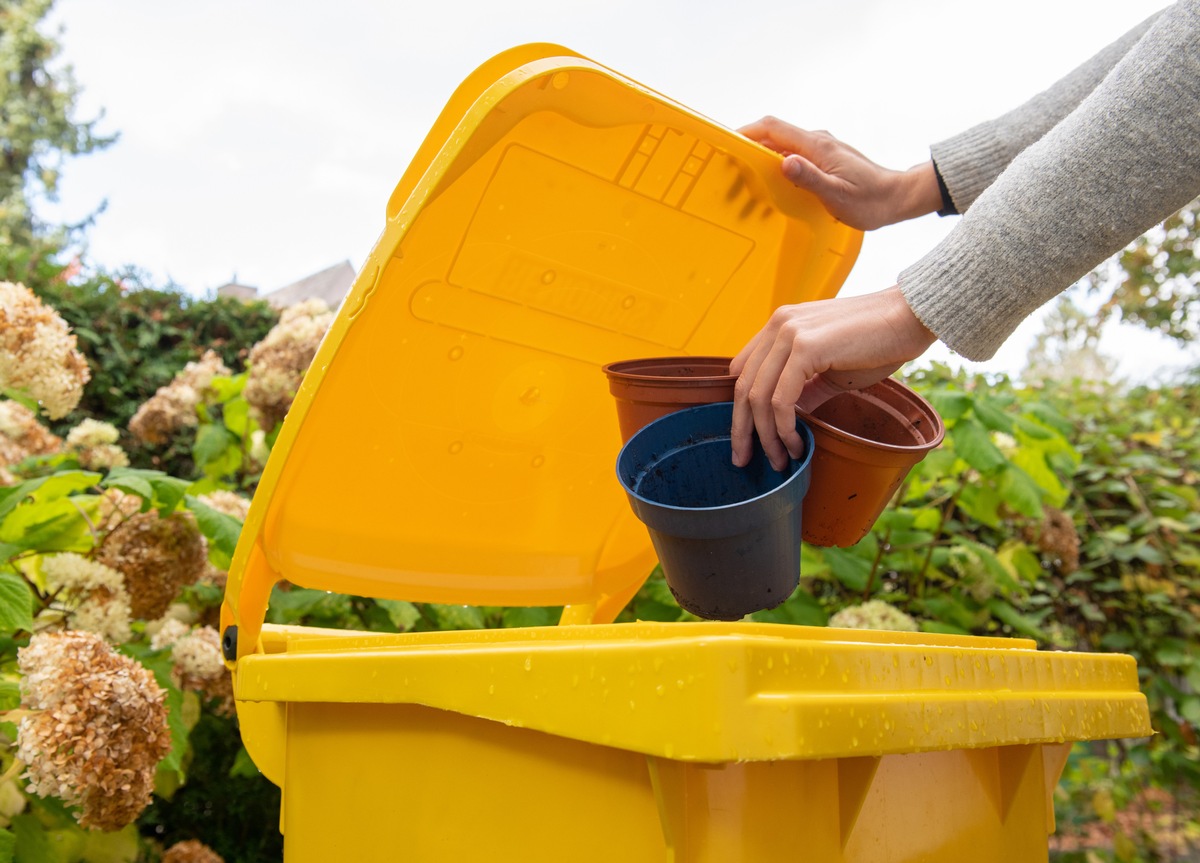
(919, 192)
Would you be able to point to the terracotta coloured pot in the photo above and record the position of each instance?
(867, 441)
(728, 538)
(647, 389)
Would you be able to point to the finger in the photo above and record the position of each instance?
(739, 362)
(816, 392)
(806, 175)
(741, 432)
(762, 393)
(792, 382)
(779, 136)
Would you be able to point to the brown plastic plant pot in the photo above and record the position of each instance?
(648, 389)
(867, 440)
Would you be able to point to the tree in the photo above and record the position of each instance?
(38, 132)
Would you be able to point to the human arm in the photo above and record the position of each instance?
(1124, 159)
(970, 161)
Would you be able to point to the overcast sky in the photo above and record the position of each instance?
(262, 139)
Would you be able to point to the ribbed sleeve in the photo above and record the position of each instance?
(970, 161)
(1122, 161)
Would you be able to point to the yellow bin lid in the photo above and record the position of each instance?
(454, 440)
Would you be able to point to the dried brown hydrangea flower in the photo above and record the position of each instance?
(96, 730)
(278, 362)
(1057, 539)
(21, 435)
(191, 851)
(113, 507)
(157, 556)
(38, 354)
(174, 405)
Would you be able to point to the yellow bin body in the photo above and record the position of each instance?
(454, 441)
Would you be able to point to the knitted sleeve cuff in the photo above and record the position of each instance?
(968, 163)
(948, 208)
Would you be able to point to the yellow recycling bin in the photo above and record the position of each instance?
(454, 441)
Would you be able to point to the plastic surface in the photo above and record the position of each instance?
(453, 442)
(728, 538)
(867, 441)
(683, 742)
(558, 217)
(647, 389)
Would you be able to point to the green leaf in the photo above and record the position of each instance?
(982, 503)
(16, 603)
(943, 628)
(1034, 465)
(800, 609)
(119, 846)
(243, 766)
(951, 404)
(8, 844)
(32, 843)
(132, 484)
(45, 488)
(848, 568)
(1048, 416)
(237, 417)
(225, 389)
(1021, 623)
(541, 616)
(164, 492)
(160, 664)
(290, 606)
(221, 529)
(211, 442)
(992, 415)
(949, 609)
(403, 615)
(1019, 492)
(457, 616)
(974, 446)
(1019, 559)
(1172, 652)
(10, 694)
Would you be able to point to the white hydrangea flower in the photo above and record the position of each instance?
(94, 443)
(874, 614)
(91, 596)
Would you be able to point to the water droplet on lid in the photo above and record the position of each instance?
(455, 353)
(455, 448)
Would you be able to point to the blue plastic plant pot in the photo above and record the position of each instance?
(728, 538)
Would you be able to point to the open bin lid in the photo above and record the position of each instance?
(454, 438)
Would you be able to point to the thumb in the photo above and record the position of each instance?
(806, 175)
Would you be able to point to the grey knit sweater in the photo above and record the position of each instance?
(1051, 189)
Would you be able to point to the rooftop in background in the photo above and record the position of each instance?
(331, 285)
